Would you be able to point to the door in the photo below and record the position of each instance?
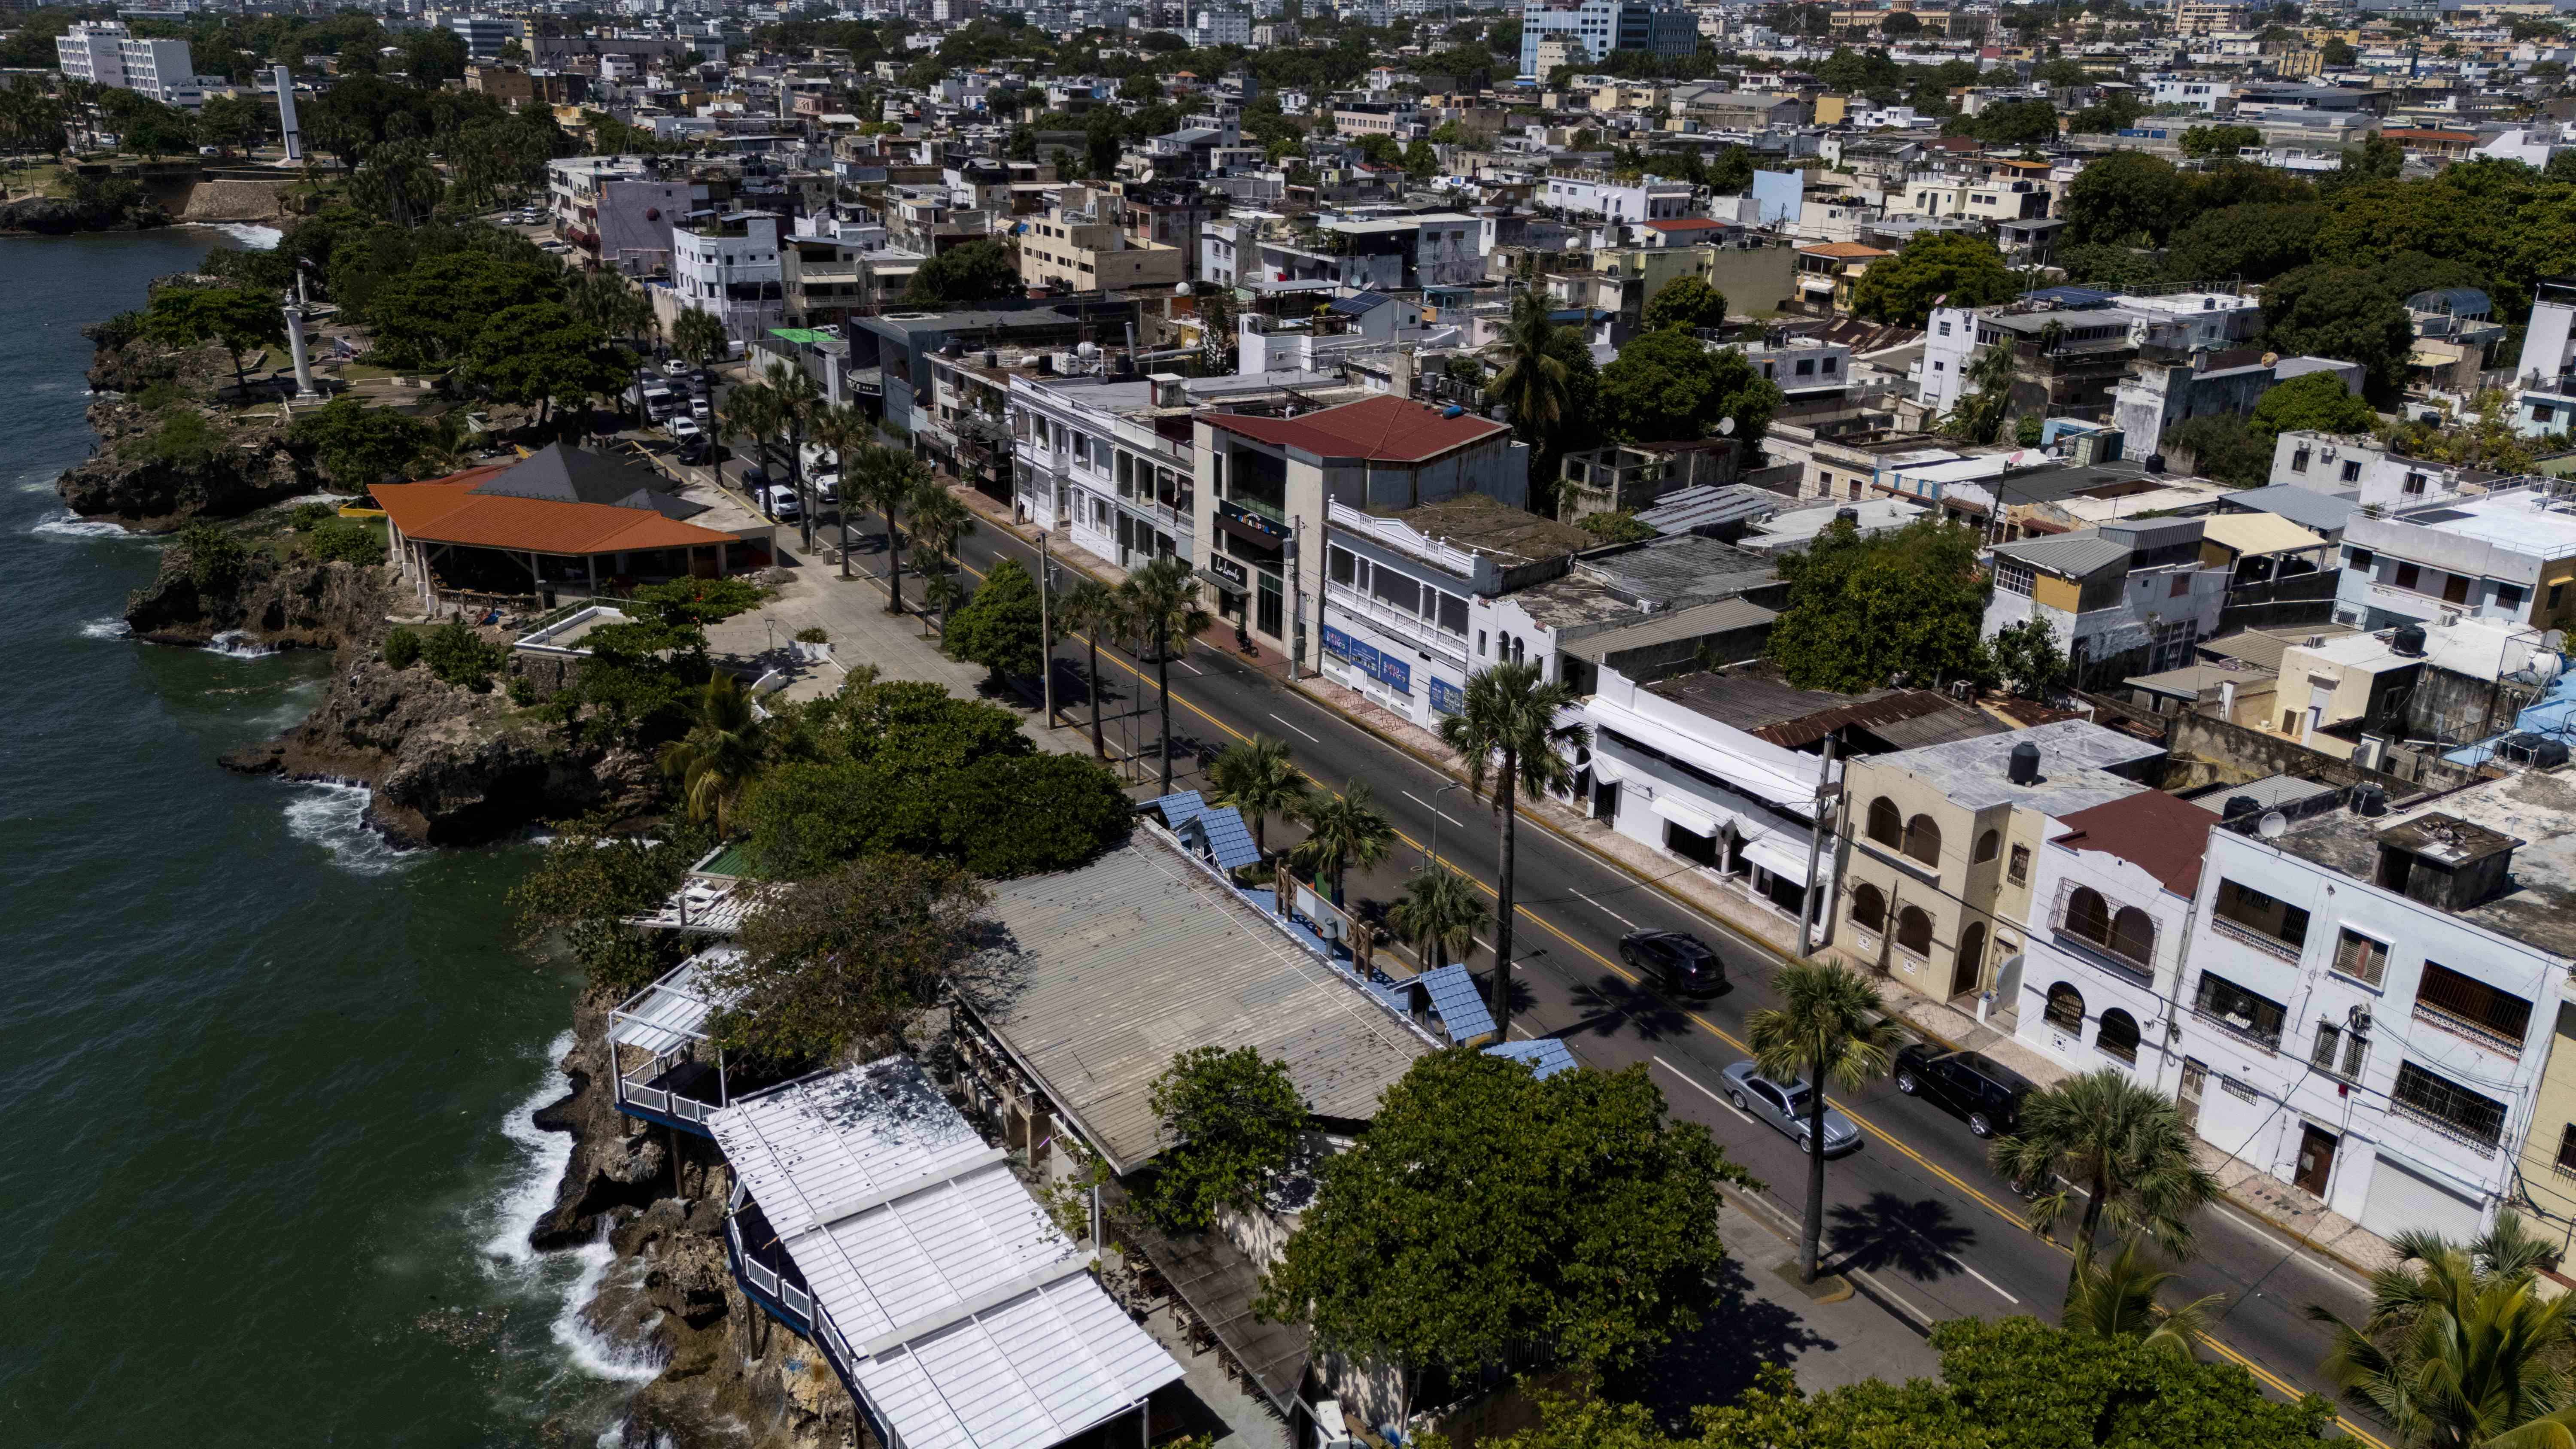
(2316, 1159)
(2195, 1077)
(1972, 959)
(1605, 801)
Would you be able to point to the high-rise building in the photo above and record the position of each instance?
(1602, 26)
(484, 35)
(104, 52)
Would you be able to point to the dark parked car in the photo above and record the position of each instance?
(1675, 961)
(1970, 1084)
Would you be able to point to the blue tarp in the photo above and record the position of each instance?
(1457, 1002)
(1546, 1055)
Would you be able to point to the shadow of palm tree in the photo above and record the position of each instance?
(1609, 1004)
(1715, 1362)
(1917, 1239)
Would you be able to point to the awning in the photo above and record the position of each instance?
(1815, 284)
(1685, 817)
(1221, 581)
(1757, 767)
(1605, 769)
(1780, 855)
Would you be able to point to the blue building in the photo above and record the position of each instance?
(1603, 26)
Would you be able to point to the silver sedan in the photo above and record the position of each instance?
(1784, 1106)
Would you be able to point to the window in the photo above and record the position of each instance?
(2455, 589)
(2065, 1007)
(2409, 576)
(1914, 931)
(1830, 366)
(1886, 822)
(2118, 1037)
(2015, 577)
(2414, 486)
(1989, 845)
(2341, 1049)
(2360, 957)
(2352, 472)
(2566, 1163)
(2299, 461)
(2260, 920)
(2467, 1007)
(2237, 1009)
(2018, 869)
(1480, 643)
(2557, 595)
(2362, 559)
(1806, 367)
(2180, 586)
(1923, 840)
(1339, 566)
(2508, 596)
(1939, 367)
(2447, 1106)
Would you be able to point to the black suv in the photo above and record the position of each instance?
(1971, 1085)
(1674, 960)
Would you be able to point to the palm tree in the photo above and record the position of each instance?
(1258, 778)
(938, 519)
(2125, 1144)
(1090, 609)
(699, 336)
(1510, 718)
(1342, 831)
(719, 754)
(1439, 913)
(887, 480)
(1161, 601)
(750, 411)
(1537, 387)
(845, 429)
(1830, 1026)
(2459, 1351)
(2118, 1299)
(799, 396)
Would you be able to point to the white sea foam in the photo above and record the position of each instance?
(107, 628)
(334, 816)
(251, 235)
(68, 524)
(591, 1351)
(235, 644)
(529, 1188)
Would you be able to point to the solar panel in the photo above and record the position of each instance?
(1180, 808)
(1546, 1056)
(1228, 840)
(1460, 1007)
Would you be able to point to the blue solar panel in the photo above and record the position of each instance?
(1546, 1056)
(1180, 807)
(1227, 838)
(1455, 1000)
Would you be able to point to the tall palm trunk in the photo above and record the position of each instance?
(796, 472)
(1508, 798)
(1163, 697)
(894, 559)
(1815, 1224)
(1091, 642)
(2092, 1223)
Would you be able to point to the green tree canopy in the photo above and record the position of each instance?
(1234, 1119)
(539, 354)
(359, 445)
(1685, 302)
(239, 320)
(588, 882)
(2124, 196)
(1967, 270)
(2311, 402)
(2218, 141)
(1860, 609)
(2346, 313)
(1667, 386)
(2218, 446)
(1592, 1237)
(2015, 123)
(979, 271)
(434, 310)
(2255, 241)
(1000, 627)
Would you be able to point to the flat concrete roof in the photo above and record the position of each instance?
(2076, 758)
(2538, 908)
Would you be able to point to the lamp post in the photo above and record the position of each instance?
(1436, 817)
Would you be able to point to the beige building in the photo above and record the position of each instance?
(1078, 245)
(1934, 871)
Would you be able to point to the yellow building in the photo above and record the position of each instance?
(1076, 245)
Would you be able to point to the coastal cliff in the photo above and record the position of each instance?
(161, 460)
(105, 209)
(731, 1374)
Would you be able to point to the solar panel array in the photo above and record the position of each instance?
(1228, 839)
(1458, 1004)
(1546, 1055)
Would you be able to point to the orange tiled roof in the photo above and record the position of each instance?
(1847, 251)
(1382, 428)
(448, 510)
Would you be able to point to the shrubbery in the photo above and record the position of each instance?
(216, 559)
(457, 654)
(346, 540)
(184, 440)
(402, 649)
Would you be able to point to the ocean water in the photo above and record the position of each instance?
(265, 1159)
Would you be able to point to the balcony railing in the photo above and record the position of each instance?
(2483, 1146)
(2475, 1033)
(2244, 1030)
(2260, 941)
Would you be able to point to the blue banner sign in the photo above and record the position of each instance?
(1385, 668)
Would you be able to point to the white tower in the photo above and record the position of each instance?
(286, 114)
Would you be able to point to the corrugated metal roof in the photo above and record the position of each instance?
(2306, 507)
(2074, 555)
(673, 1011)
(1458, 1004)
(1545, 1055)
(2257, 533)
(1113, 968)
(969, 1316)
(1723, 617)
(1382, 429)
(1709, 505)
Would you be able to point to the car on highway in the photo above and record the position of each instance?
(1783, 1107)
(684, 429)
(1971, 1086)
(1675, 961)
(701, 409)
(780, 502)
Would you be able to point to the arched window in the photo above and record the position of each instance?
(1869, 908)
(1886, 823)
(2133, 935)
(2088, 916)
(1914, 930)
(2118, 1036)
(2065, 1007)
(1989, 845)
(1923, 840)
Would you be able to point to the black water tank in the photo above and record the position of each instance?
(2155, 462)
(1846, 515)
(2408, 640)
(2369, 800)
(2024, 768)
(2242, 807)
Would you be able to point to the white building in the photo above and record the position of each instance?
(2200, 93)
(729, 266)
(92, 51)
(486, 35)
(2134, 588)
(105, 53)
(2546, 372)
(1653, 199)
(2422, 548)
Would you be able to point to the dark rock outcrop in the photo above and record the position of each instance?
(60, 216)
(303, 604)
(127, 480)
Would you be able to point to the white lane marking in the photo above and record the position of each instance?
(1962, 1265)
(1416, 799)
(1293, 727)
(1194, 669)
(1605, 910)
(1694, 1081)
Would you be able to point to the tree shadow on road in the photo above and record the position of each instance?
(1609, 1005)
(1716, 1362)
(1917, 1239)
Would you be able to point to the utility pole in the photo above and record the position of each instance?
(1296, 639)
(1816, 847)
(1046, 630)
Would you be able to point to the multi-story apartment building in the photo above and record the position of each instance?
(729, 266)
(1599, 195)
(91, 50)
(2165, 389)
(2070, 350)
(2127, 598)
(485, 36)
(1602, 26)
(2546, 371)
(2370, 998)
(2507, 554)
(105, 53)
(831, 271)
(574, 185)
(1079, 246)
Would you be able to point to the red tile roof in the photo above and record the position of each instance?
(2152, 830)
(1686, 223)
(448, 510)
(1381, 429)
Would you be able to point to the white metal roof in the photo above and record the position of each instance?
(671, 1012)
(970, 1321)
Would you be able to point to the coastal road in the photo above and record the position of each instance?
(1917, 1208)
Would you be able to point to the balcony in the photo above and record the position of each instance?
(2475, 1033)
(2260, 941)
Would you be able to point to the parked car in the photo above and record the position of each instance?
(1783, 1106)
(696, 450)
(780, 501)
(1970, 1085)
(1674, 961)
(684, 429)
(826, 486)
(676, 367)
(755, 479)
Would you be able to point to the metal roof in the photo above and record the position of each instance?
(2324, 512)
(673, 1011)
(1111, 969)
(1545, 1055)
(965, 1316)
(1723, 617)
(1709, 505)
(2074, 555)
(1457, 1002)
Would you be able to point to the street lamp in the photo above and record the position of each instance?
(1436, 817)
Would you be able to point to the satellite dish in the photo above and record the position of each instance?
(2273, 825)
(1182, 290)
(1726, 427)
